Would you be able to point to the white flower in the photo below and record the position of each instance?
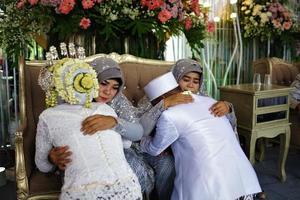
(247, 12)
(256, 10)
(264, 18)
(247, 2)
(113, 17)
(243, 8)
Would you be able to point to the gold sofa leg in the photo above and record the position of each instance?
(21, 178)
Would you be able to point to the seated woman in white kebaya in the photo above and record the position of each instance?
(209, 162)
(98, 169)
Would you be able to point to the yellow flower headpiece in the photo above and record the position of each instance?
(74, 81)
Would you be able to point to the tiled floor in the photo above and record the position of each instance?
(266, 171)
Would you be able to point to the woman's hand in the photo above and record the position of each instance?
(60, 156)
(220, 108)
(95, 123)
(176, 99)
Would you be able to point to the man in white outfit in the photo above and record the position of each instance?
(209, 162)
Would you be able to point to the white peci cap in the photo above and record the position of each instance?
(160, 86)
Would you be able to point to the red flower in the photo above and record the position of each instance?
(85, 23)
(188, 23)
(86, 4)
(21, 4)
(211, 27)
(164, 15)
(196, 7)
(33, 2)
(287, 25)
(66, 6)
(152, 4)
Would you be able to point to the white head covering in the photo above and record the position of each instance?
(160, 86)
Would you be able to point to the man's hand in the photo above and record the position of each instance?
(176, 99)
(220, 108)
(95, 123)
(60, 156)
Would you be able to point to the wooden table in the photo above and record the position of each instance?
(261, 111)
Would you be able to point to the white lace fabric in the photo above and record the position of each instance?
(98, 169)
(122, 189)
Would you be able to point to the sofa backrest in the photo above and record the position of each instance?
(282, 72)
(137, 73)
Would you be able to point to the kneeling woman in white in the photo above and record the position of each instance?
(209, 162)
(98, 169)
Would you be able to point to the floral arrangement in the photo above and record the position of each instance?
(18, 27)
(113, 19)
(266, 18)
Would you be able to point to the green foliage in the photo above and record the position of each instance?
(19, 26)
(109, 21)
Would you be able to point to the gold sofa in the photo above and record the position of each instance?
(32, 184)
(282, 73)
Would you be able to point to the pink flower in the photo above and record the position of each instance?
(280, 8)
(33, 2)
(85, 23)
(99, 1)
(276, 23)
(21, 4)
(188, 23)
(272, 9)
(152, 4)
(164, 15)
(66, 6)
(174, 11)
(86, 4)
(211, 27)
(287, 25)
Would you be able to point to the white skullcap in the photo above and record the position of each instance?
(160, 86)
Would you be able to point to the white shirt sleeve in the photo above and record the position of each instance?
(43, 146)
(166, 133)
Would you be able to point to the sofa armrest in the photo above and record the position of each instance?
(21, 176)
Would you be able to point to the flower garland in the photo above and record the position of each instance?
(72, 77)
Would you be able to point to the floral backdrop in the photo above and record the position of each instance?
(144, 24)
(264, 19)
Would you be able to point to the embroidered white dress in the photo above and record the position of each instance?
(209, 162)
(98, 169)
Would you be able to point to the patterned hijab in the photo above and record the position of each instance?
(107, 68)
(185, 66)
